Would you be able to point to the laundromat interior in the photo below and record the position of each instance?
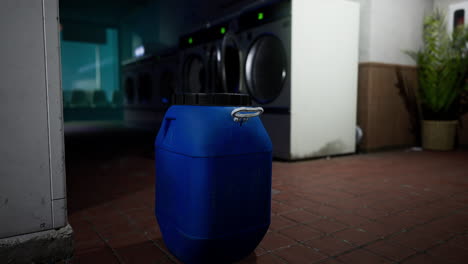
(88, 85)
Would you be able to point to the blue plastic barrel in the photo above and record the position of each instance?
(213, 179)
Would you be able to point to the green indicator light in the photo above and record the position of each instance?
(223, 30)
(260, 16)
(190, 40)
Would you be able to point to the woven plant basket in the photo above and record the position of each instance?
(438, 135)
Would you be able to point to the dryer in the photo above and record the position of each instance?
(166, 78)
(211, 60)
(193, 68)
(129, 82)
(138, 81)
(300, 63)
(140, 91)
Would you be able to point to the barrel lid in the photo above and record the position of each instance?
(212, 99)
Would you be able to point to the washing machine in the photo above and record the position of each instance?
(166, 78)
(211, 60)
(265, 37)
(140, 93)
(138, 81)
(300, 63)
(129, 80)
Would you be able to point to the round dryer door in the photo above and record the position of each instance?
(266, 68)
(194, 74)
(225, 66)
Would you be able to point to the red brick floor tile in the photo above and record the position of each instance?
(86, 246)
(461, 198)
(285, 196)
(357, 237)
(351, 220)
(448, 205)
(373, 197)
(105, 220)
(299, 254)
(361, 256)
(281, 208)
(449, 253)
(278, 222)
(415, 240)
(84, 232)
(422, 259)
(103, 255)
(455, 223)
(300, 233)
(302, 203)
(410, 215)
(116, 228)
(381, 230)
(259, 251)
(140, 214)
(160, 244)
(397, 223)
(301, 216)
(427, 214)
(264, 259)
(460, 241)
(101, 210)
(436, 231)
(390, 250)
(273, 241)
(126, 240)
(348, 204)
(129, 203)
(336, 195)
(78, 222)
(144, 252)
(322, 197)
(369, 213)
(330, 261)
(327, 226)
(324, 211)
(416, 200)
(77, 216)
(329, 245)
(148, 224)
(154, 234)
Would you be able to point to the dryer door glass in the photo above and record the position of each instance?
(215, 70)
(266, 69)
(194, 75)
(232, 64)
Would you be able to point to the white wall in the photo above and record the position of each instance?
(389, 27)
(396, 25)
(443, 4)
(364, 29)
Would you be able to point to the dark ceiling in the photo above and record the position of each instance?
(107, 12)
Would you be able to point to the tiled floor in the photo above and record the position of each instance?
(392, 207)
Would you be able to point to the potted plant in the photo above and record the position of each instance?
(442, 72)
